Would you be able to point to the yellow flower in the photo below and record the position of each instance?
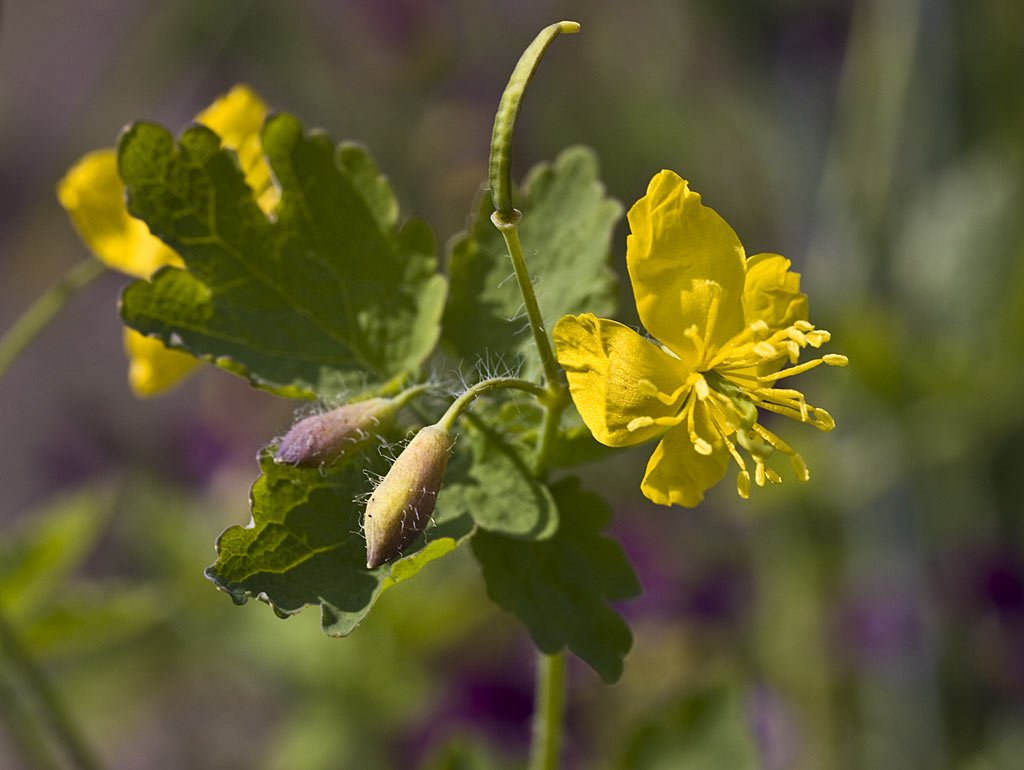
(93, 195)
(727, 325)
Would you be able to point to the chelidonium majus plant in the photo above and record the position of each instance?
(265, 249)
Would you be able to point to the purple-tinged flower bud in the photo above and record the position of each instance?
(325, 438)
(402, 503)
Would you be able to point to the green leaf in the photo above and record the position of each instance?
(305, 546)
(47, 547)
(560, 587)
(708, 730)
(566, 233)
(493, 484)
(92, 616)
(327, 295)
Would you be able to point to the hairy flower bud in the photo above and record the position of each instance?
(402, 503)
(325, 438)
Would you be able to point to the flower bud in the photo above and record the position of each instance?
(402, 503)
(325, 438)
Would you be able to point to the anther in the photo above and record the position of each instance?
(639, 422)
(773, 477)
(799, 467)
(759, 473)
(743, 484)
(835, 359)
(823, 419)
(647, 387)
(700, 446)
(818, 337)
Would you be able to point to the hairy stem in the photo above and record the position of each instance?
(47, 305)
(460, 404)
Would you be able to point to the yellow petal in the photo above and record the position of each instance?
(677, 474)
(771, 293)
(93, 195)
(676, 249)
(153, 368)
(605, 362)
(237, 118)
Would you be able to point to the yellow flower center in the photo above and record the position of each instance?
(729, 383)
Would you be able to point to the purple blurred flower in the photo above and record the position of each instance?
(775, 728)
(879, 626)
(678, 584)
(494, 704)
(200, 450)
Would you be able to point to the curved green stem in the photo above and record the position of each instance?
(407, 395)
(459, 405)
(499, 166)
(549, 709)
(60, 722)
(46, 306)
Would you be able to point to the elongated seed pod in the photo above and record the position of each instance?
(325, 438)
(402, 503)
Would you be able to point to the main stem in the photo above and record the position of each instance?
(509, 228)
(549, 707)
(549, 703)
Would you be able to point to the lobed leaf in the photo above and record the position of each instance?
(304, 545)
(566, 234)
(327, 295)
(560, 587)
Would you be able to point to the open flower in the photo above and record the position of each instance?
(727, 325)
(93, 195)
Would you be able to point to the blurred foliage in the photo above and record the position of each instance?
(873, 618)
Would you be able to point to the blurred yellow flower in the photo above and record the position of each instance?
(93, 195)
(727, 325)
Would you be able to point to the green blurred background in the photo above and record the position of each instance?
(872, 618)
